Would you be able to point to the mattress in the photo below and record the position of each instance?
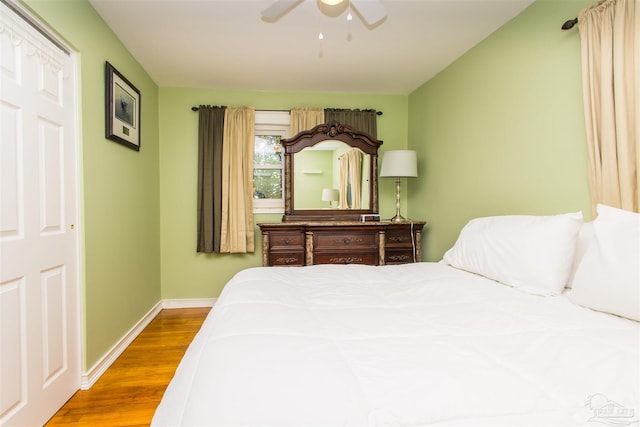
(405, 345)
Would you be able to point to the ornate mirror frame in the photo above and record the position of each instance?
(330, 131)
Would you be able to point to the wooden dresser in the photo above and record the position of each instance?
(345, 242)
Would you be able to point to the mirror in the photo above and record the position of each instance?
(330, 174)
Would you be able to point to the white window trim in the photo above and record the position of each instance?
(270, 123)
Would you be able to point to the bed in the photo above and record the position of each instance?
(468, 341)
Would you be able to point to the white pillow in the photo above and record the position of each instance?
(608, 278)
(533, 253)
(584, 240)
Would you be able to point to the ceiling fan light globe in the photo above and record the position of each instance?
(331, 2)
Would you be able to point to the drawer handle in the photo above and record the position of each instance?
(345, 260)
(399, 239)
(398, 257)
(287, 241)
(288, 260)
(347, 240)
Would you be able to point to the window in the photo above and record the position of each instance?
(268, 161)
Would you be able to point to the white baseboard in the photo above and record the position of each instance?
(188, 303)
(89, 378)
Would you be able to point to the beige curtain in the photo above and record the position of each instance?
(344, 181)
(355, 177)
(237, 235)
(351, 179)
(610, 69)
(305, 118)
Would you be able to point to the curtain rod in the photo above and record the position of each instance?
(379, 113)
(569, 24)
(214, 106)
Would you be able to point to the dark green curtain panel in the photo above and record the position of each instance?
(362, 120)
(210, 131)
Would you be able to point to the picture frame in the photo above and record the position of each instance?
(122, 109)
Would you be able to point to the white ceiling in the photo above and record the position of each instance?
(225, 44)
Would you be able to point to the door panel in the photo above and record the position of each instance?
(53, 325)
(51, 147)
(11, 224)
(12, 327)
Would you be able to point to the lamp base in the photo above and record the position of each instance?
(399, 218)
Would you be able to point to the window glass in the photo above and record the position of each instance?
(268, 150)
(267, 167)
(268, 161)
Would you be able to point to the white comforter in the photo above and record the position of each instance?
(415, 344)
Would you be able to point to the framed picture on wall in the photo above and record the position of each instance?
(122, 109)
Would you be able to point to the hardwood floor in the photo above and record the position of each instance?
(129, 391)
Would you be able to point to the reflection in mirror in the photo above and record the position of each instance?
(331, 165)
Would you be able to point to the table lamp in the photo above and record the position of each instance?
(330, 195)
(399, 164)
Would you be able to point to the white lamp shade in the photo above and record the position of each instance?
(399, 163)
(330, 195)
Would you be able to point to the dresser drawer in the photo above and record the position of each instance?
(398, 257)
(342, 241)
(369, 258)
(398, 238)
(286, 240)
(292, 259)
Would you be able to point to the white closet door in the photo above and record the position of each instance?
(39, 280)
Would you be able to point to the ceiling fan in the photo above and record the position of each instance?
(372, 12)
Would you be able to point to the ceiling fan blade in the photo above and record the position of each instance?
(371, 11)
(278, 9)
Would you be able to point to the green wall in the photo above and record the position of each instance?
(187, 274)
(120, 194)
(309, 186)
(501, 130)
